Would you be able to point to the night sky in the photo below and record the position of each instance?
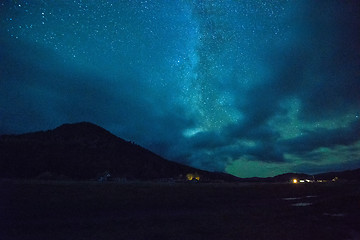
(248, 87)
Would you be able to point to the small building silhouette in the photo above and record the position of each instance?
(104, 177)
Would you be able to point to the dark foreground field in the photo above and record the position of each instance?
(89, 210)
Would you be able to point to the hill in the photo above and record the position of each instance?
(345, 175)
(348, 175)
(85, 151)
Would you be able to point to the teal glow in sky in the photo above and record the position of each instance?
(253, 88)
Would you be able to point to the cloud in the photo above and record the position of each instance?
(322, 138)
(315, 62)
(328, 38)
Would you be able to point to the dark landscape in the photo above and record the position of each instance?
(179, 120)
(53, 186)
(85, 151)
(145, 210)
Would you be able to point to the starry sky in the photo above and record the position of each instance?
(247, 87)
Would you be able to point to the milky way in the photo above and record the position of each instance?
(252, 88)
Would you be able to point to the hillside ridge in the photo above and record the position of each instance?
(84, 151)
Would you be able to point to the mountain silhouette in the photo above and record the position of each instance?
(85, 151)
(348, 175)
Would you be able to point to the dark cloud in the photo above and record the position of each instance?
(312, 168)
(322, 138)
(267, 152)
(317, 62)
(331, 44)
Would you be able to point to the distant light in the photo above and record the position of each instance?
(294, 180)
(192, 176)
(189, 176)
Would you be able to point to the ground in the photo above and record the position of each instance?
(145, 211)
